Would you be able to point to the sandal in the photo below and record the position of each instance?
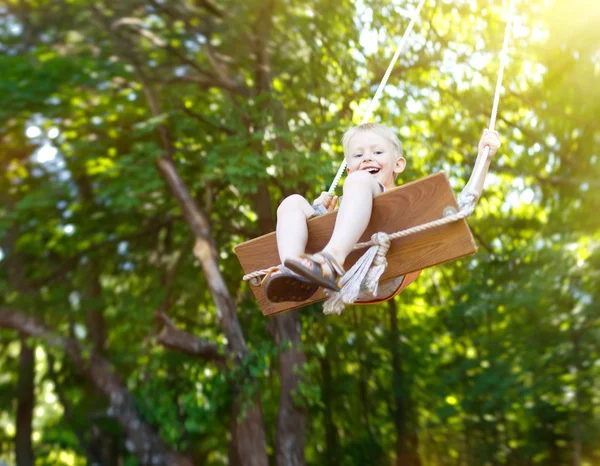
(281, 284)
(320, 268)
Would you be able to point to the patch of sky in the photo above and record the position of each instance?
(15, 29)
(519, 30)
(80, 331)
(74, 300)
(551, 140)
(534, 149)
(180, 71)
(552, 163)
(473, 264)
(192, 46)
(527, 196)
(52, 101)
(103, 86)
(368, 41)
(33, 132)
(46, 37)
(394, 91)
(122, 247)
(154, 20)
(492, 179)
(357, 55)
(351, 338)
(37, 172)
(45, 154)
(480, 60)
(1, 254)
(127, 266)
(69, 229)
(413, 106)
(518, 195)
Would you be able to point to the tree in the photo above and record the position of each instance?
(142, 140)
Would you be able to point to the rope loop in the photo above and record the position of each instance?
(255, 281)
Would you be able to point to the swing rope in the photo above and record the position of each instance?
(382, 84)
(363, 276)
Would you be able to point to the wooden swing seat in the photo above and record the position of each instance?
(400, 208)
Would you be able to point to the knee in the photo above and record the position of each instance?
(292, 203)
(359, 179)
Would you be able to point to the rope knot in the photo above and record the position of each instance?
(362, 277)
(383, 242)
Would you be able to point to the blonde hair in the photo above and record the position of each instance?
(380, 129)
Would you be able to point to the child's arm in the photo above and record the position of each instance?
(490, 139)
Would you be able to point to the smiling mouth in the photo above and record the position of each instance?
(372, 171)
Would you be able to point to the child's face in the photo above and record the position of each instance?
(371, 152)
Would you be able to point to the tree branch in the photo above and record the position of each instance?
(208, 6)
(178, 340)
(207, 121)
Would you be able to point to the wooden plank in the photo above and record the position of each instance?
(403, 207)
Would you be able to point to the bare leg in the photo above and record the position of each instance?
(292, 231)
(354, 214)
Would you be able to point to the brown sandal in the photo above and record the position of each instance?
(281, 284)
(320, 268)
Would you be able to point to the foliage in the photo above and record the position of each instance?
(498, 352)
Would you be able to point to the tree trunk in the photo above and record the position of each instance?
(332, 448)
(577, 427)
(25, 404)
(250, 433)
(88, 448)
(363, 379)
(289, 444)
(406, 442)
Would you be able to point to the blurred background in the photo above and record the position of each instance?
(142, 139)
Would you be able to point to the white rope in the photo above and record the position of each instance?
(363, 277)
(375, 100)
(463, 213)
(470, 195)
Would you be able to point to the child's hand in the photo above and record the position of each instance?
(327, 201)
(491, 139)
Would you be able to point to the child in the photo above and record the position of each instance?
(374, 159)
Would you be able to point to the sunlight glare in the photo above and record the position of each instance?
(45, 154)
(527, 196)
(33, 132)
